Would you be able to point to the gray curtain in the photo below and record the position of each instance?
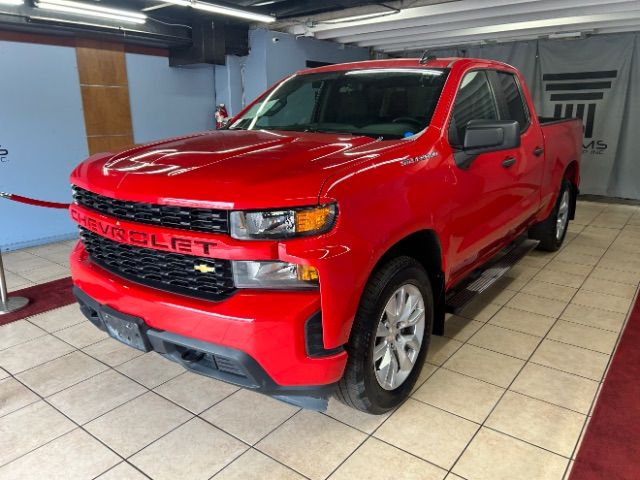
(596, 79)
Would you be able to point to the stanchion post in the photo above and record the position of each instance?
(9, 304)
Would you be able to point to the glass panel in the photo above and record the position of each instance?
(474, 101)
(515, 105)
(388, 103)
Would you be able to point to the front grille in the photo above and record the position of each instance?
(184, 218)
(171, 272)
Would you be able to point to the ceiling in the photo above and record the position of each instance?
(394, 27)
(281, 9)
(166, 23)
(399, 28)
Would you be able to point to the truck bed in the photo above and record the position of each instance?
(562, 146)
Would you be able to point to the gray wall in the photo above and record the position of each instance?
(610, 165)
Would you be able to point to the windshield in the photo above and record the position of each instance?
(388, 103)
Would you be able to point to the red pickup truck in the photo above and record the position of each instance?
(313, 246)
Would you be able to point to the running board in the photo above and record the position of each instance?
(488, 274)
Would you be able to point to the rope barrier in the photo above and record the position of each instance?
(33, 201)
(12, 304)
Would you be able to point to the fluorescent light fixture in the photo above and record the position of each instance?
(11, 2)
(231, 12)
(565, 35)
(79, 8)
(364, 16)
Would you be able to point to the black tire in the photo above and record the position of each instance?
(546, 231)
(359, 387)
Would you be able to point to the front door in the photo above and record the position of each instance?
(487, 195)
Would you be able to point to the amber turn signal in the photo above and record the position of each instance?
(314, 219)
(307, 273)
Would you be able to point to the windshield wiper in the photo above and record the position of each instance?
(346, 132)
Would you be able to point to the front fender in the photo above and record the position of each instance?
(379, 205)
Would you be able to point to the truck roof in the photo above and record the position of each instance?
(444, 62)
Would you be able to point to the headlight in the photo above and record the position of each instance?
(280, 224)
(273, 275)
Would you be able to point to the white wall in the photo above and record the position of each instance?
(42, 127)
(273, 56)
(42, 124)
(166, 101)
(287, 54)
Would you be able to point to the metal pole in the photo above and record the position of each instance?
(9, 304)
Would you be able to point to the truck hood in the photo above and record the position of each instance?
(229, 169)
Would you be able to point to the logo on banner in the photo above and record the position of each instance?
(579, 94)
(4, 155)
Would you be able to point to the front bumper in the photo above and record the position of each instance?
(216, 361)
(264, 331)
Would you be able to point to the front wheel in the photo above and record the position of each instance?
(389, 339)
(552, 230)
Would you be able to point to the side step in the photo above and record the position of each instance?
(482, 278)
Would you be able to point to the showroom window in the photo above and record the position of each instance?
(475, 101)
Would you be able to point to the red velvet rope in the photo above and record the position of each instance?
(33, 201)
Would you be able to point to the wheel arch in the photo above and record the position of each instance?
(572, 173)
(425, 247)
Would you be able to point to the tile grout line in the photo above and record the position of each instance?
(442, 366)
(369, 435)
(567, 467)
(148, 390)
(606, 370)
(514, 378)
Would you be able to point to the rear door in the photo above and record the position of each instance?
(529, 167)
(488, 195)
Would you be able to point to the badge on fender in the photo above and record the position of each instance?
(420, 158)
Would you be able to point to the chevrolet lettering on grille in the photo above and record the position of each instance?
(115, 231)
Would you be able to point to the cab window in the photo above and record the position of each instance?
(474, 101)
(514, 107)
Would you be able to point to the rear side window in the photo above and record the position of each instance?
(474, 101)
(514, 103)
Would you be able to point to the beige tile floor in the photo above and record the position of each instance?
(505, 394)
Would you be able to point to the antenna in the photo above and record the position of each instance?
(427, 57)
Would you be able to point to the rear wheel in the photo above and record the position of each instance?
(389, 339)
(553, 229)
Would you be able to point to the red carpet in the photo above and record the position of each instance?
(42, 298)
(610, 449)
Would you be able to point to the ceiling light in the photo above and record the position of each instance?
(11, 2)
(364, 16)
(79, 8)
(565, 35)
(231, 12)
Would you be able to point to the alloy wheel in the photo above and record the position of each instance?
(399, 336)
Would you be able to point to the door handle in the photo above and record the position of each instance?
(508, 162)
(538, 151)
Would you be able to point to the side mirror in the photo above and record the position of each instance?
(482, 136)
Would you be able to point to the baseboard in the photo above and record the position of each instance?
(38, 242)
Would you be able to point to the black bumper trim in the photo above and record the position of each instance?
(314, 337)
(216, 361)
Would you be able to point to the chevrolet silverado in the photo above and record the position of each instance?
(313, 246)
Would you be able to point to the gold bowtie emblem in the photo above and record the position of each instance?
(204, 268)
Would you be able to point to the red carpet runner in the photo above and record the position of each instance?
(610, 449)
(42, 298)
